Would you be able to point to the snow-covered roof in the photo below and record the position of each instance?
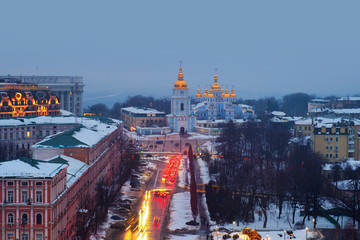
(142, 110)
(349, 99)
(344, 185)
(75, 167)
(278, 113)
(245, 106)
(221, 121)
(24, 167)
(65, 113)
(87, 135)
(337, 111)
(350, 162)
(199, 105)
(319, 100)
(86, 121)
(324, 122)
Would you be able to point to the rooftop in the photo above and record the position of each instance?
(86, 121)
(24, 167)
(142, 110)
(75, 167)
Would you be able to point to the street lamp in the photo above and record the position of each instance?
(233, 226)
(306, 231)
(284, 234)
(217, 233)
(314, 221)
(267, 236)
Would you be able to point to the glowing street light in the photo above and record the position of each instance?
(284, 234)
(306, 231)
(233, 226)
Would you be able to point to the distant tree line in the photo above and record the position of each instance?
(161, 104)
(258, 168)
(295, 104)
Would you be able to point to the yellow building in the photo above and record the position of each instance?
(142, 117)
(335, 139)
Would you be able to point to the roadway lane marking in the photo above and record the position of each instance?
(157, 174)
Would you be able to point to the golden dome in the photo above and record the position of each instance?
(232, 95)
(210, 93)
(216, 86)
(180, 83)
(226, 94)
(198, 94)
(205, 93)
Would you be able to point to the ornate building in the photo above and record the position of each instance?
(69, 89)
(216, 104)
(20, 100)
(181, 118)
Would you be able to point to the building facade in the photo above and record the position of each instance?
(336, 139)
(28, 189)
(133, 118)
(53, 196)
(23, 100)
(19, 134)
(181, 119)
(219, 105)
(69, 89)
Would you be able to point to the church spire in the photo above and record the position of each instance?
(215, 77)
(180, 83)
(180, 74)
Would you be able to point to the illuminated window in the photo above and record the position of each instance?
(11, 236)
(28, 134)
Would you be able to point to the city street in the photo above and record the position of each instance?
(172, 143)
(154, 205)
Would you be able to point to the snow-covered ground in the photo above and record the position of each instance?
(184, 237)
(183, 175)
(273, 235)
(180, 212)
(204, 171)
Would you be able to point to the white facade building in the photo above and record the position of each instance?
(181, 119)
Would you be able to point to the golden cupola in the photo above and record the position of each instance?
(232, 95)
(210, 93)
(198, 94)
(215, 86)
(206, 93)
(226, 94)
(180, 83)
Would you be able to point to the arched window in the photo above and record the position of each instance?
(181, 107)
(10, 218)
(24, 219)
(38, 218)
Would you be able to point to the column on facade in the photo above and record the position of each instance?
(62, 99)
(68, 101)
(81, 103)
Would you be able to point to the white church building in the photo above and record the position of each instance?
(181, 119)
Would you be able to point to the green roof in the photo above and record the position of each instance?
(58, 160)
(64, 139)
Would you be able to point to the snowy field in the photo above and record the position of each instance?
(184, 237)
(180, 212)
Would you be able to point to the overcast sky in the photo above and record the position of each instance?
(261, 48)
